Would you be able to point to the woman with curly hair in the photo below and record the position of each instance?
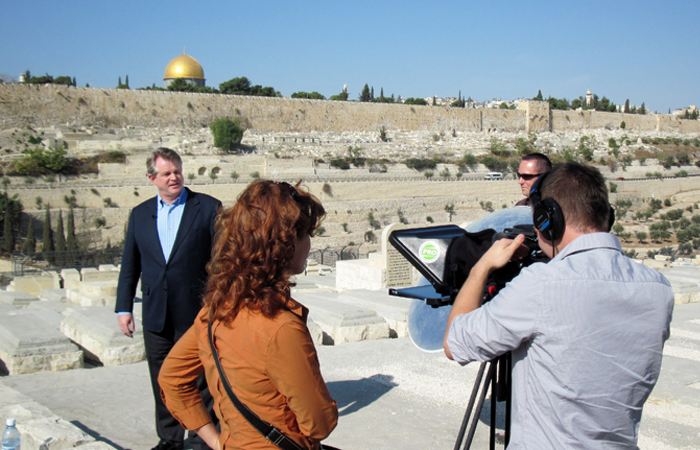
(259, 331)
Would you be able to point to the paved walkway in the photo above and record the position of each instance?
(390, 396)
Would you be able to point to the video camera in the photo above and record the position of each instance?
(445, 255)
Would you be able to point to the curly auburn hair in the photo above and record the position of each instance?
(254, 246)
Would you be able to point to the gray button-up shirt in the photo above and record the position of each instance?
(586, 331)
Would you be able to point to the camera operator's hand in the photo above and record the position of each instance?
(469, 297)
(503, 251)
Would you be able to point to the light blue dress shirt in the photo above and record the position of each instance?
(586, 332)
(169, 218)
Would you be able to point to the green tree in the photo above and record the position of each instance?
(47, 246)
(242, 86)
(538, 97)
(415, 101)
(60, 240)
(71, 242)
(10, 211)
(29, 247)
(642, 109)
(227, 133)
(365, 96)
(235, 86)
(39, 162)
(8, 238)
(343, 96)
(311, 95)
(450, 210)
(469, 160)
(181, 85)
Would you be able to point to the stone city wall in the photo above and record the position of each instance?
(47, 105)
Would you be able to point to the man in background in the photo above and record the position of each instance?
(168, 245)
(531, 166)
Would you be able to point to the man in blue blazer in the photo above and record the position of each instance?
(168, 244)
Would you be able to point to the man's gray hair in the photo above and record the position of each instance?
(165, 153)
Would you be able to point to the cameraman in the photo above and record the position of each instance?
(586, 330)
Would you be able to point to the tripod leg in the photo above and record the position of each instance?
(494, 405)
(470, 407)
(509, 394)
(472, 429)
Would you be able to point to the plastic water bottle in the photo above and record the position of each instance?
(10, 438)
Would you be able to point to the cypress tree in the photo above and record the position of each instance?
(47, 246)
(71, 244)
(365, 96)
(8, 240)
(29, 247)
(60, 239)
(127, 81)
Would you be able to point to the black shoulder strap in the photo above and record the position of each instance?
(270, 432)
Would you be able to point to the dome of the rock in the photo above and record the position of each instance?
(185, 67)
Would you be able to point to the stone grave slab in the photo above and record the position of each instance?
(49, 305)
(18, 299)
(96, 330)
(47, 315)
(393, 309)
(71, 278)
(34, 284)
(342, 322)
(55, 433)
(91, 274)
(58, 295)
(20, 407)
(30, 344)
(94, 293)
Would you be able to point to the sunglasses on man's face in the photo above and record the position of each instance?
(528, 176)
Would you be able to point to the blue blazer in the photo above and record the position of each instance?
(169, 289)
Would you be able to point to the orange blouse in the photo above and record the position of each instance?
(272, 367)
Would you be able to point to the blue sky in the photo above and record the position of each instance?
(644, 51)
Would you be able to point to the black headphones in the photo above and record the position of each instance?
(547, 215)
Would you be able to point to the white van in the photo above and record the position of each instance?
(493, 176)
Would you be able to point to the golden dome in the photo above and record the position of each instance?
(184, 66)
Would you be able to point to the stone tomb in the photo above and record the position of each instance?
(96, 330)
(342, 322)
(28, 343)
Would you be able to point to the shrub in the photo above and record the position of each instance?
(40, 162)
(227, 133)
(340, 163)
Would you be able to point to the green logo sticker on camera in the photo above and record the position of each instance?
(429, 252)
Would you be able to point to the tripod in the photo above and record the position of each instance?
(500, 391)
